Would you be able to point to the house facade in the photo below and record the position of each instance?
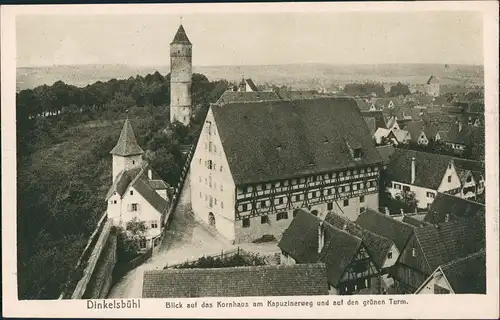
(350, 268)
(137, 192)
(245, 192)
(426, 174)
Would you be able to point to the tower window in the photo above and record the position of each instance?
(133, 161)
(131, 192)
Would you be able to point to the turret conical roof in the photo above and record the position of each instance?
(127, 145)
(181, 36)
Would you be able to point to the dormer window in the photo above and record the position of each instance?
(357, 153)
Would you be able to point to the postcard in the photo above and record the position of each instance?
(270, 160)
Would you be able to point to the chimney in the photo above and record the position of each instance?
(387, 211)
(459, 126)
(412, 170)
(150, 174)
(321, 237)
(447, 217)
(402, 212)
(344, 227)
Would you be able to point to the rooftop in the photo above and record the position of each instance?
(269, 280)
(127, 145)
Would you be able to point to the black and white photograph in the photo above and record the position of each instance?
(195, 154)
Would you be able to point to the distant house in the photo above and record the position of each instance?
(299, 94)
(461, 136)
(309, 239)
(397, 137)
(378, 116)
(432, 87)
(423, 173)
(417, 132)
(460, 276)
(384, 103)
(448, 208)
(436, 245)
(137, 191)
(247, 85)
(268, 280)
(364, 105)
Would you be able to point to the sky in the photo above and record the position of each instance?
(253, 39)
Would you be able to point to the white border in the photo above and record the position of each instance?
(429, 306)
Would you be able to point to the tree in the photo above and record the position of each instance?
(399, 89)
(136, 228)
(408, 201)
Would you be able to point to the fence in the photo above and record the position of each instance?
(77, 272)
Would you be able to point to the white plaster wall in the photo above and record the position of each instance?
(125, 163)
(222, 187)
(395, 255)
(436, 279)
(455, 180)
(420, 194)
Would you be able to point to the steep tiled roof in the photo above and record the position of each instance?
(415, 129)
(468, 135)
(339, 250)
(122, 182)
(377, 246)
(138, 178)
(251, 84)
(454, 207)
(451, 240)
(299, 94)
(429, 167)
(127, 145)
(370, 123)
(379, 118)
(247, 96)
(386, 152)
(385, 226)
(468, 274)
(282, 139)
(414, 221)
(181, 36)
(300, 240)
(142, 185)
(432, 80)
(269, 280)
(476, 167)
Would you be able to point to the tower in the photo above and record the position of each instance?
(180, 77)
(126, 154)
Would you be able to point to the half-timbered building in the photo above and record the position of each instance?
(257, 162)
(349, 265)
(435, 245)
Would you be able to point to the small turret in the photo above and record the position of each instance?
(126, 154)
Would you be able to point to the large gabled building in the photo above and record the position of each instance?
(255, 163)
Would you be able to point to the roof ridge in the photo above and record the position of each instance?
(311, 265)
(388, 217)
(462, 199)
(471, 255)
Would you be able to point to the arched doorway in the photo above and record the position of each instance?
(211, 220)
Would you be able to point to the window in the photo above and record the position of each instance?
(263, 204)
(278, 184)
(280, 200)
(131, 192)
(220, 168)
(215, 201)
(346, 202)
(469, 179)
(210, 146)
(264, 219)
(314, 178)
(430, 195)
(358, 153)
(154, 224)
(245, 207)
(281, 216)
(348, 173)
(215, 148)
(389, 255)
(133, 161)
(314, 194)
(297, 197)
(134, 207)
(222, 205)
(264, 186)
(406, 188)
(115, 202)
(246, 222)
(199, 161)
(210, 181)
(329, 206)
(449, 178)
(314, 212)
(361, 209)
(362, 199)
(414, 252)
(245, 189)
